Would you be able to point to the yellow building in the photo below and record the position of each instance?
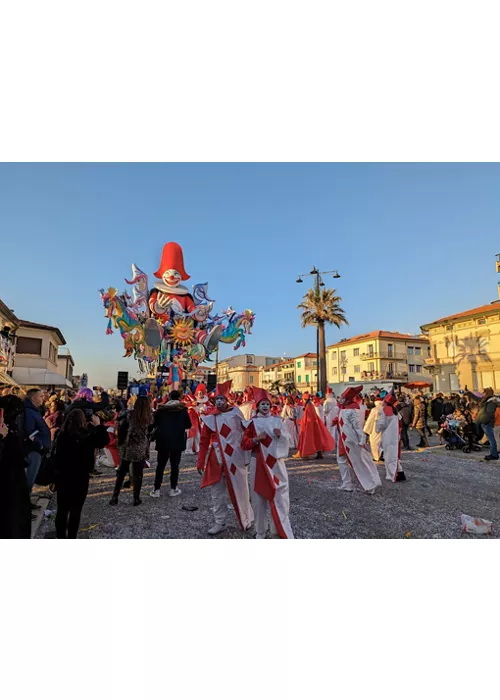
(379, 355)
(278, 375)
(244, 370)
(465, 349)
(306, 372)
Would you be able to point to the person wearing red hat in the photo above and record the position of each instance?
(221, 461)
(169, 294)
(266, 439)
(314, 438)
(353, 451)
(389, 427)
(248, 405)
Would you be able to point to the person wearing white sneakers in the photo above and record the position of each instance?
(221, 461)
(353, 452)
(265, 436)
(170, 424)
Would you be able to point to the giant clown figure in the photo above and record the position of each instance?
(169, 294)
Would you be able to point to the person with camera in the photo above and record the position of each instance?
(74, 461)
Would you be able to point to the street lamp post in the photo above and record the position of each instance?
(320, 353)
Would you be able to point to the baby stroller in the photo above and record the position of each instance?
(458, 436)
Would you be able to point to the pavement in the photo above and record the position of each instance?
(440, 486)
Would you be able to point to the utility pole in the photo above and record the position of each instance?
(321, 381)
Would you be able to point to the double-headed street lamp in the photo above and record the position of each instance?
(320, 361)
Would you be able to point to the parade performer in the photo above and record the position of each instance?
(221, 461)
(370, 428)
(318, 405)
(389, 426)
(331, 411)
(248, 405)
(289, 417)
(193, 436)
(266, 438)
(314, 438)
(175, 375)
(168, 294)
(353, 451)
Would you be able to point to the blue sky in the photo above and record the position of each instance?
(412, 242)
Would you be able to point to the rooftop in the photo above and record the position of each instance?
(8, 313)
(43, 327)
(391, 335)
(493, 307)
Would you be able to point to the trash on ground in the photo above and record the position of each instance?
(345, 516)
(476, 526)
(90, 527)
(407, 534)
(191, 509)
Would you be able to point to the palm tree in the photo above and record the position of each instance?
(320, 306)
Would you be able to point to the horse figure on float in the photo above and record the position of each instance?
(234, 330)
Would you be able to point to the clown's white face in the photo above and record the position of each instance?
(220, 403)
(264, 407)
(171, 278)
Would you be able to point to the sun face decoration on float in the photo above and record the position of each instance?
(168, 325)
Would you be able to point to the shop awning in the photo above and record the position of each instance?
(6, 380)
(35, 376)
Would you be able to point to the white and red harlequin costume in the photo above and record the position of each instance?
(168, 292)
(389, 427)
(352, 449)
(268, 475)
(223, 461)
(370, 428)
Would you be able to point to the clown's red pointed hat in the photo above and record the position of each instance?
(350, 393)
(224, 389)
(172, 258)
(260, 395)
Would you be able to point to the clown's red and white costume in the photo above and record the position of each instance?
(223, 461)
(389, 427)
(168, 293)
(352, 449)
(370, 428)
(198, 406)
(314, 437)
(268, 475)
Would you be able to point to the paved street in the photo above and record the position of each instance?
(441, 486)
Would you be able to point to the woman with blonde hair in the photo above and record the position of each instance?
(134, 448)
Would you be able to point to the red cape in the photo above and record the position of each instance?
(314, 435)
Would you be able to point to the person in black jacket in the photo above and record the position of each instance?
(15, 511)
(74, 461)
(84, 401)
(171, 421)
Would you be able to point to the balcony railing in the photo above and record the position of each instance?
(383, 355)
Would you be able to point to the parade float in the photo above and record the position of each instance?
(168, 327)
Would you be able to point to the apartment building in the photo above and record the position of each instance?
(244, 370)
(36, 360)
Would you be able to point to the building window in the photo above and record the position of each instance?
(389, 367)
(334, 355)
(371, 366)
(357, 369)
(428, 351)
(251, 379)
(299, 365)
(481, 322)
(410, 350)
(343, 355)
(29, 346)
(53, 353)
(250, 360)
(435, 351)
(418, 350)
(411, 368)
(335, 370)
(355, 352)
(418, 368)
(351, 379)
(370, 350)
(299, 379)
(389, 350)
(307, 379)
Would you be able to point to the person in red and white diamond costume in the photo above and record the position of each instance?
(353, 452)
(289, 417)
(267, 439)
(221, 460)
(389, 426)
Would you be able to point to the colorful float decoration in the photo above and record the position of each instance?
(169, 326)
